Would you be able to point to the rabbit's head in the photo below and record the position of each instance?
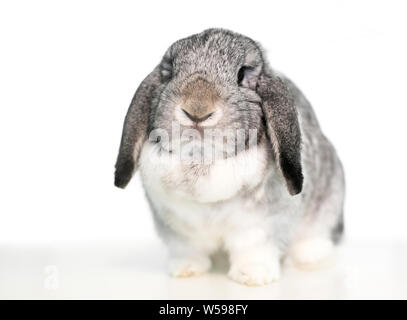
(209, 80)
(219, 80)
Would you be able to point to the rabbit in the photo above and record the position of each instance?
(276, 195)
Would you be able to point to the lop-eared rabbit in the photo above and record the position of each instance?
(232, 158)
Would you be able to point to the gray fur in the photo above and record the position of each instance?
(135, 128)
(305, 161)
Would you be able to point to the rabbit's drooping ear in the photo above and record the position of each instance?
(282, 128)
(135, 129)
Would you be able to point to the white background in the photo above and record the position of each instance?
(68, 71)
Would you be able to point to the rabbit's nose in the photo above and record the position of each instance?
(196, 118)
(199, 99)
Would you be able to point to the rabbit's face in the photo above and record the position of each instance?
(218, 82)
(209, 82)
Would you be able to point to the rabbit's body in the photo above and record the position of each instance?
(239, 203)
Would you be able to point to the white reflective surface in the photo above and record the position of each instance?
(359, 271)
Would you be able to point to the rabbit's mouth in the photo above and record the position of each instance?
(186, 119)
(196, 119)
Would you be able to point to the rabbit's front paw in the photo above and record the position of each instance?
(189, 266)
(255, 274)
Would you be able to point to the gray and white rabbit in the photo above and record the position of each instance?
(280, 195)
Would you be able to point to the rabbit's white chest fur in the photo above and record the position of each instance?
(206, 207)
(166, 176)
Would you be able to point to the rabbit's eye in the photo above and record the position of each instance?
(240, 75)
(166, 68)
(166, 74)
(247, 77)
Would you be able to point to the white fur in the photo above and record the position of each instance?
(163, 174)
(311, 253)
(237, 225)
(255, 274)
